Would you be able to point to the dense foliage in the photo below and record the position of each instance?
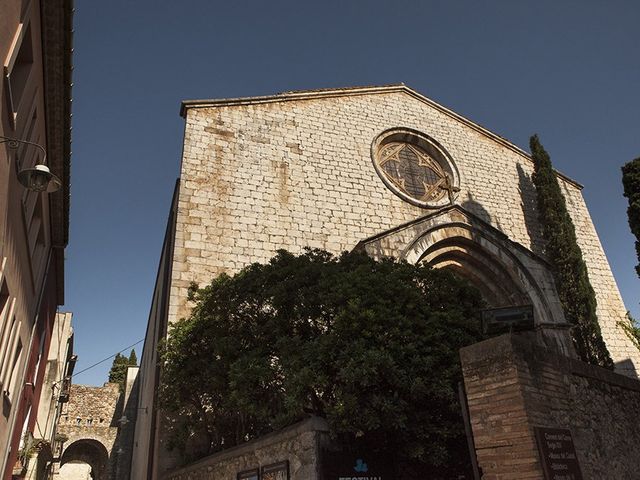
(371, 346)
(118, 372)
(631, 329)
(570, 271)
(631, 184)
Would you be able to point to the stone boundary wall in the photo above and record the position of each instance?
(298, 444)
(514, 385)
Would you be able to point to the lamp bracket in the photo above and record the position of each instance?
(14, 143)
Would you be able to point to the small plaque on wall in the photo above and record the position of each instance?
(557, 454)
(276, 471)
(253, 474)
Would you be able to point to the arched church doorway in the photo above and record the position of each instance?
(499, 284)
(506, 273)
(85, 459)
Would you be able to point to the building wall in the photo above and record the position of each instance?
(514, 385)
(21, 274)
(60, 350)
(126, 434)
(91, 413)
(75, 471)
(146, 439)
(33, 227)
(49, 407)
(295, 172)
(298, 444)
(91, 419)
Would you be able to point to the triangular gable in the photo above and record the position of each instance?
(354, 91)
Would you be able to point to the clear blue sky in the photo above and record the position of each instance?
(568, 70)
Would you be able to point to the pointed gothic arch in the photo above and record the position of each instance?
(505, 272)
(497, 284)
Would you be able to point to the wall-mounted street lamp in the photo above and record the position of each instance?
(123, 420)
(39, 178)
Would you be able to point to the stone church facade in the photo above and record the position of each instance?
(383, 169)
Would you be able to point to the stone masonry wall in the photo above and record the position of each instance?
(513, 385)
(91, 414)
(298, 444)
(295, 171)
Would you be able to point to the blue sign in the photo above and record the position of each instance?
(360, 466)
(357, 466)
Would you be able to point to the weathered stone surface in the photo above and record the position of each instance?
(90, 413)
(313, 184)
(298, 444)
(295, 170)
(506, 273)
(514, 385)
(90, 421)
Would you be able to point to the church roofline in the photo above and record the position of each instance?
(351, 91)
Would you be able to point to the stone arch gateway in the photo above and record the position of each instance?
(89, 451)
(95, 423)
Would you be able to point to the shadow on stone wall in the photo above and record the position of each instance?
(114, 453)
(528, 203)
(626, 367)
(124, 418)
(476, 208)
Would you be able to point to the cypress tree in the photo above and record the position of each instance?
(570, 271)
(631, 184)
(118, 372)
(133, 359)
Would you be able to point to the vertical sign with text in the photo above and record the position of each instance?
(557, 454)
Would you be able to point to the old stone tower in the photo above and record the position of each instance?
(384, 169)
(97, 431)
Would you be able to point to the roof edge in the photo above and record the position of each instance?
(291, 95)
(366, 90)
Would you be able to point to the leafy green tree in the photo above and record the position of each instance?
(631, 184)
(570, 271)
(371, 346)
(118, 372)
(631, 329)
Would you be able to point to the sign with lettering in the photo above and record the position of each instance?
(253, 474)
(507, 319)
(276, 471)
(356, 466)
(557, 454)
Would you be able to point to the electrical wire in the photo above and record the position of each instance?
(108, 358)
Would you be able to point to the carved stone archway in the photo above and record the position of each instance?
(495, 281)
(505, 272)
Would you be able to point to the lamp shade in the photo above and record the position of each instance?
(39, 179)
